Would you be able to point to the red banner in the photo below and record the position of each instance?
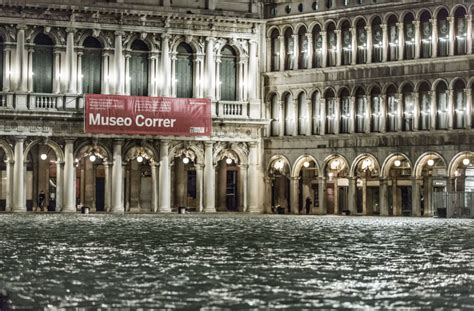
(115, 114)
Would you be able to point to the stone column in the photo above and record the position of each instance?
(209, 178)
(21, 60)
(282, 119)
(252, 72)
(70, 63)
(309, 118)
(384, 42)
(338, 47)
(368, 30)
(105, 73)
(59, 186)
(7, 71)
(469, 34)
(294, 195)
(154, 186)
(117, 179)
(434, 38)
(210, 68)
(244, 193)
(79, 72)
(383, 197)
(310, 52)
(337, 115)
(468, 112)
(368, 113)
(56, 73)
(164, 191)
(199, 187)
(166, 64)
(127, 72)
(119, 65)
(30, 72)
(323, 210)
(433, 110)
(10, 185)
(365, 209)
(324, 49)
(452, 36)
(107, 187)
(416, 211)
(450, 109)
(354, 45)
(352, 114)
(19, 204)
(69, 178)
(268, 196)
(401, 41)
(253, 184)
(351, 200)
(416, 24)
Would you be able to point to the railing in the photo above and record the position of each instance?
(232, 109)
(45, 101)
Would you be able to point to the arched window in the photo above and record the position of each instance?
(318, 47)
(275, 50)
(392, 109)
(184, 71)
(43, 64)
(460, 29)
(227, 73)
(346, 43)
(289, 114)
(289, 50)
(409, 29)
(345, 110)
(377, 40)
(426, 33)
(424, 98)
(91, 66)
(408, 108)
(275, 106)
(303, 49)
(316, 108)
(443, 33)
(361, 42)
(360, 110)
(330, 111)
(139, 69)
(392, 29)
(441, 106)
(332, 45)
(376, 109)
(459, 104)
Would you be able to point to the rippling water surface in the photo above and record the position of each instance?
(235, 261)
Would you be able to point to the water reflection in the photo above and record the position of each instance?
(238, 261)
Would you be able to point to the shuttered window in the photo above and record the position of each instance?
(228, 70)
(139, 69)
(91, 66)
(43, 64)
(184, 71)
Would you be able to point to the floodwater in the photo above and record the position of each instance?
(235, 261)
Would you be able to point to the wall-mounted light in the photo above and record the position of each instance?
(430, 162)
(397, 163)
(228, 161)
(92, 158)
(43, 156)
(278, 165)
(185, 160)
(139, 159)
(466, 161)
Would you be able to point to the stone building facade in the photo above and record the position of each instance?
(362, 106)
(370, 105)
(53, 52)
